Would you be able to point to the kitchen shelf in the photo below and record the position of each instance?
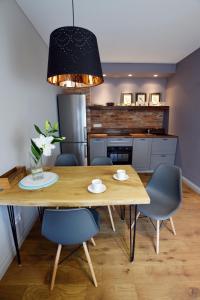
(134, 108)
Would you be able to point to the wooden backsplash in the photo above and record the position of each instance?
(125, 118)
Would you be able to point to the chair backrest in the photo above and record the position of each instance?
(101, 161)
(69, 226)
(167, 181)
(66, 159)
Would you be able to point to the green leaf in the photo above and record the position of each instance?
(37, 151)
(58, 140)
(47, 125)
(38, 130)
(53, 131)
(55, 126)
(36, 155)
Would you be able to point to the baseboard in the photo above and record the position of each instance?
(192, 185)
(9, 258)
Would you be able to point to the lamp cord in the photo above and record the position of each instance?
(73, 11)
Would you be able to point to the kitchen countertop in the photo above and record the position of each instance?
(130, 135)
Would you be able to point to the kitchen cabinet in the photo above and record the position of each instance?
(147, 153)
(98, 147)
(117, 142)
(157, 159)
(164, 145)
(163, 151)
(141, 153)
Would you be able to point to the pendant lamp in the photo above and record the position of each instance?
(74, 57)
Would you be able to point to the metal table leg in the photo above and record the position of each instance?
(132, 233)
(122, 212)
(11, 215)
(40, 213)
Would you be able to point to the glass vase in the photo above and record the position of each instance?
(36, 167)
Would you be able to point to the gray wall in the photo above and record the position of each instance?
(183, 96)
(25, 99)
(112, 88)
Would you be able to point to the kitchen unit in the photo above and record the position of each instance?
(148, 151)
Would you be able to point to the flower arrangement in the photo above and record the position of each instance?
(45, 143)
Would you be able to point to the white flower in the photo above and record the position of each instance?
(44, 143)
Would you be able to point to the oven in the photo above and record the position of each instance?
(120, 150)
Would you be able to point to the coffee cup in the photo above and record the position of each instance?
(96, 185)
(121, 174)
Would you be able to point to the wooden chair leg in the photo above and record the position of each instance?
(172, 225)
(111, 218)
(90, 263)
(157, 236)
(138, 214)
(113, 207)
(55, 266)
(93, 242)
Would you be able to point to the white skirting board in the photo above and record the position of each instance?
(192, 185)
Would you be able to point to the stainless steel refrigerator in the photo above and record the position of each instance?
(72, 124)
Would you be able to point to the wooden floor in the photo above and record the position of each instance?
(173, 274)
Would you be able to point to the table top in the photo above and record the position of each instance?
(71, 189)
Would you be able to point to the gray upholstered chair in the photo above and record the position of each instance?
(66, 159)
(104, 161)
(70, 227)
(165, 192)
(101, 161)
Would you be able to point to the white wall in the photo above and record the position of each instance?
(112, 88)
(25, 99)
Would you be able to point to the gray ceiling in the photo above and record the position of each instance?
(134, 31)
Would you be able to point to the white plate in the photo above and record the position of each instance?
(103, 188)
(121, 179)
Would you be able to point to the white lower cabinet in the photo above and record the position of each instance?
(157, 159)
(163, 151)
(141, 153)
(148, 153)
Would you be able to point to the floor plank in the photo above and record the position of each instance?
(173, 274)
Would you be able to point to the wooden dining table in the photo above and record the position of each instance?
(71, 190)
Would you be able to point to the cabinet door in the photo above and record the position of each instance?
(97, 148)
(164, 145)
(158, 159)
(141, 153)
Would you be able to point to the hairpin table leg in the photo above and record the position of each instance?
(40, 212)
(11, 215)
(132, 233)
(122, 212)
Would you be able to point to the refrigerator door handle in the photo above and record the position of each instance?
(85, 133)
(85, 150)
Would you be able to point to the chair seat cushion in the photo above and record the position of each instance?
(161, 207)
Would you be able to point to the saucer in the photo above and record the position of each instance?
(122, 179)
(103, 188)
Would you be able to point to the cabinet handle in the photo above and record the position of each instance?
(165, 139)
(142, 139)
(163, 155)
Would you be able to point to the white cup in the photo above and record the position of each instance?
(96, 185)
(121, 174)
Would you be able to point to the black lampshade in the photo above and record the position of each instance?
(74, 58)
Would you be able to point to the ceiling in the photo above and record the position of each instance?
(136, 31)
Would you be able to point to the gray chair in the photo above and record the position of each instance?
(165, 192)
(101, 161)
(70, 227)
(66, 159)
(104, 161)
